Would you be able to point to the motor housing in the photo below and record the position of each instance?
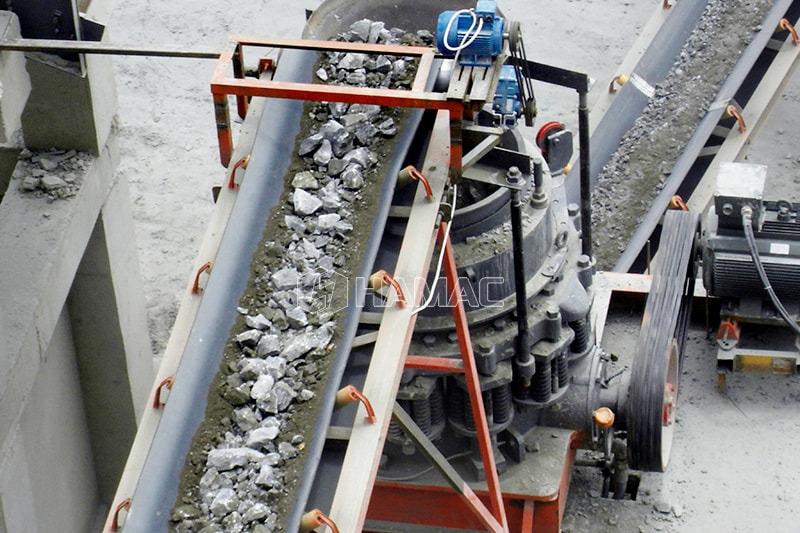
(475, 34)
(728, 268)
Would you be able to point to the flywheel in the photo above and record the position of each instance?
(655, 373)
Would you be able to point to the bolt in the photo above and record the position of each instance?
(484, 347)
(727, 209)
(552, 312)
(513, 176)
(573, 209)
(499, 324)
(452, 337)
(584, 261)
(429, 340)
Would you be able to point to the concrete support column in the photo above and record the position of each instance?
(111, 340)
(16, 85)
(72, 102)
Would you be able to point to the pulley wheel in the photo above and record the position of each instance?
(513, 35)
(655, 373)
(546, 131)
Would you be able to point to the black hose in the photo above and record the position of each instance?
(747, 222)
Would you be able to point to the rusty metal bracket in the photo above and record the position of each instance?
(616, 82)
(196, 289)
(315, 518)
(350, 394)
(166, 383)
(677, 203)
(410, 172)
(381, 278)
(728, 334)
(785, 25)
(732, 111)
(124, 505)
(241, 163)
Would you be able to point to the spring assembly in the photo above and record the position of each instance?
(562, 369)
(469, 420)
(541, 384)
(421, 414)
(395, 432)
(520, 390)
(582, 334)
(501, 402)
(455, 401)
(437, 405)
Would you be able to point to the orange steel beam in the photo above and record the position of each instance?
(223, 86)
(439, 506)
(439, 461)
(473, 383)
(441, 364)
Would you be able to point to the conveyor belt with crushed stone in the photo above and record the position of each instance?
(636, 172)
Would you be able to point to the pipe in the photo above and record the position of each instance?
(586, 182)
(620, 451)
(523, 362)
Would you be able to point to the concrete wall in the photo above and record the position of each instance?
(76, 365)
(75, 361)
(71, 103)
(56, 440)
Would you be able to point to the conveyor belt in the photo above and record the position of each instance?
(743, 81)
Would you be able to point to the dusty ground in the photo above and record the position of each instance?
(733, 466)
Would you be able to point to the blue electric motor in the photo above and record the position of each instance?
(507, 104)
(477, 34)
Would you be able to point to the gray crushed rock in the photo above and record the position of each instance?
(245, 471)
(52, 175)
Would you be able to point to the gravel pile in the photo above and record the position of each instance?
(248, 456)
(636, 173)
(52, 175)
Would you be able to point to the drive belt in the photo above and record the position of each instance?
(655, 370)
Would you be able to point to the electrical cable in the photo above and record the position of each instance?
(747, 222)
(412, 477)
(467, 39)
(441, 254)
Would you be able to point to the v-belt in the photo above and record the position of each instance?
(656, 365)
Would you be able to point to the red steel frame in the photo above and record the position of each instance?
(223, 86)
(391, 501)
(494, 517)
(439, 506)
